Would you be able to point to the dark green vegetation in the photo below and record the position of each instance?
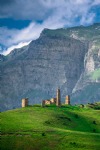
(51, 128)
(85, 33)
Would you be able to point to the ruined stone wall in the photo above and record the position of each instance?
(53, 100)
(47, 102)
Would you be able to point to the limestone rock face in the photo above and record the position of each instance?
(54, 60)
(87, 88)
(90, 65)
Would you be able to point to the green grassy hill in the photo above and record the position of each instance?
(50, 128)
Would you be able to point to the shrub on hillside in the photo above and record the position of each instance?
(94, 122)
(94, 106)
(37, 105)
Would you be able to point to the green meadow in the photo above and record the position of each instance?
(50, 128)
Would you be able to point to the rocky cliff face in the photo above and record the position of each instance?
(87, 88)
(63, 58)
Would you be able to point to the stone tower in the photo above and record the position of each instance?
(58, 101)
(24, 102)
(67, 100)
(43, 103)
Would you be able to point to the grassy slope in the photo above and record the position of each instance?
(36, 128)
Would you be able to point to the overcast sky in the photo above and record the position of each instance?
(23, 20)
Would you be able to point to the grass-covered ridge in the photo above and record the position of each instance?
(96, 74)
(89, 33)
(37, 128)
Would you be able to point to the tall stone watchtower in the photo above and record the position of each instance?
(24, 102)
(58, 101)
(67, 100)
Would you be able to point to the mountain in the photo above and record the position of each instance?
(2, 58)
(65, 58)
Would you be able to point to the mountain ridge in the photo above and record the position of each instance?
(58, 58)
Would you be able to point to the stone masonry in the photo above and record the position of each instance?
(24, 102)
(67, 100)
(58, 101)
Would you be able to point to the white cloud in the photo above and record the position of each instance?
(55, 14)
(96, 2)
(15, 46)
(18, 38)
(87, 19)
(41, 9)
(7, 34)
